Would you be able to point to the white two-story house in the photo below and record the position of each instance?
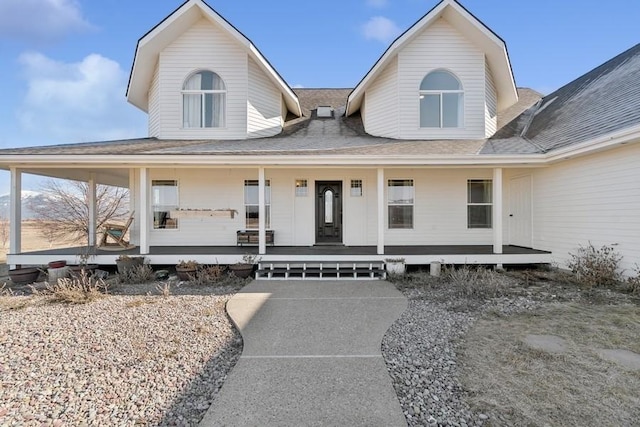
(434, 156)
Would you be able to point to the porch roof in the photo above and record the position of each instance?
(308, 135)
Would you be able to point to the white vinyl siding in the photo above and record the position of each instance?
(440, 206)
(154, 106)
(592, 199)
(264, 106)
(491, 104)
(441, 46)
(381, 104)
(203, 47)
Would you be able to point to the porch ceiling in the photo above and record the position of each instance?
(105, 176)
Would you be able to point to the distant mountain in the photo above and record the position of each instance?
(28, 197)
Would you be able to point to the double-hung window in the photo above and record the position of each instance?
(400, 196)
(479, 203)
(252, 204)
(204, 97)
(441, 101)
(165, 199)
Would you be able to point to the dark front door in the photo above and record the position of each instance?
(328, 212)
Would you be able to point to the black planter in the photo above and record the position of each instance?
(241, 270)
(186, 273)
(24, 276)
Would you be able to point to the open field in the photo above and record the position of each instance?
(34, 239)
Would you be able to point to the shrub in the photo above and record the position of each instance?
(188, 264)
(595, 267)
(78, 289)
(476, 282)
(137, 274)
(633, 282)
(164, 290)
(207, 275)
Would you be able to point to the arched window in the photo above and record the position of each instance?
(204, 101)
(441, 101)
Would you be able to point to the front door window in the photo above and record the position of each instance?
(328, 207)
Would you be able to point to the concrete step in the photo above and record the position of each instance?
(329, 270)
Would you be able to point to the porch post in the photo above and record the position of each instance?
(380, 211)
(262, 212)
(15, 212)
(497, 210)
(92, 209)
(143, 204)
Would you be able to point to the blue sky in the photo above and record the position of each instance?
(65, 63)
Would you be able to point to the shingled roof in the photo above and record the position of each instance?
(306, 135)
(605, 100)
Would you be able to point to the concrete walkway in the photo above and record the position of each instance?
(311, 356)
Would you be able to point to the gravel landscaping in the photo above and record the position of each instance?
(422, 349)
(157, 355)
(120, 360)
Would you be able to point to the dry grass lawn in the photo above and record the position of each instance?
(33, 239)
(519, 385)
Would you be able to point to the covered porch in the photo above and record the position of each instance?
(194, 211)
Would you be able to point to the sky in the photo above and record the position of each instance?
(64, 64)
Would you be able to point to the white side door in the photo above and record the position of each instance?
(520, 211)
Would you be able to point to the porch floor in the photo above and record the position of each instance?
(413, 255)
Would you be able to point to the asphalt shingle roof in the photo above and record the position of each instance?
(309, 135)
(604, 100)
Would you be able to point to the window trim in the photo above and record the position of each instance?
(268, 211)
(203, 93)
(412, 204)
(360, 187)
(303, 186)
(177, 206)
(469, 203)
(441, 92)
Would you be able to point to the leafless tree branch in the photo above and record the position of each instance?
(65, 208)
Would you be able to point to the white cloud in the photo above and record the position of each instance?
(40, 20)
(378, 4)
(381, 29)
(298, 86)
(82, 101)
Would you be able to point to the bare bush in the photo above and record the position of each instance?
(137, 274)
(164, 289)
(78, 289)
(633, 282)
(207, 275)
(476, 282)
(595, 267)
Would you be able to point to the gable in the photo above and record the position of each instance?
(165, 33)
(473, 30)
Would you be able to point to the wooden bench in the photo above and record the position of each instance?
(251, 237)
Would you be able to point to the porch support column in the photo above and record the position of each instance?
(262, 213)
(380, 211)
(497, 210)
(15, 212)
(143, 209)
(92, 209)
